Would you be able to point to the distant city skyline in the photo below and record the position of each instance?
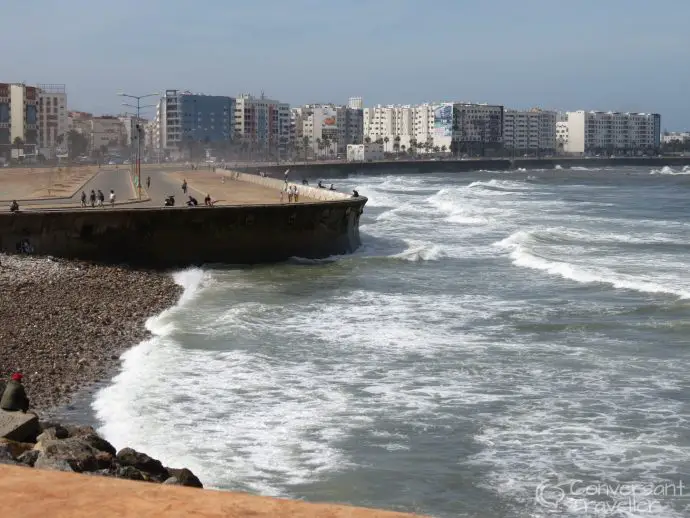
(621, 55)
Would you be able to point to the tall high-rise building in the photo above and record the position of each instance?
(52, 119)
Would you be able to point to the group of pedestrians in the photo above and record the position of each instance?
(97, 199)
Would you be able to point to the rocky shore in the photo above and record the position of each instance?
(64, 324)
(52, 446)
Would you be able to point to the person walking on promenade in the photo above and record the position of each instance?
(14, 398)
(112, 198)
(290, 194)
(148, 182)
(101, 198)
(92, 198)
(83, 198)
(184, 186)
(295, 193)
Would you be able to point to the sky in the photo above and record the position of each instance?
(620, 55)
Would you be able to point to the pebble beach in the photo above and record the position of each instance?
(64, 324)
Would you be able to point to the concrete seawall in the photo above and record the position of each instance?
(342, 169)
(179, 237)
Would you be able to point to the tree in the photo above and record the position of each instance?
(77, 144)
(19, 143)
(319, 145)
(367, 140)
(385, 142)
(443, 149)
(402, 148)
(305, 143)
(436, 149)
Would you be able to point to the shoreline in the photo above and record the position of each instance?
(66, 323)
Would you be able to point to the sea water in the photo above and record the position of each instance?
(499, 338)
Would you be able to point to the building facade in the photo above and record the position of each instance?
(531, 132)
(264, 125)
(366, 152)
(183, 118)
(52, 120)
(477, 129)
(105, 134)
(18, 121)
(327, 129)
(592, 132)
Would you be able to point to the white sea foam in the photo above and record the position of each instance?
(557, 166)
(666, 170)
(521, 245)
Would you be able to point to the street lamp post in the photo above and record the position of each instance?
(138, 107)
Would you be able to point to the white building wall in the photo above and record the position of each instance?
(576, 132)
(530, 131)
(364, 152)
(612, 131)
(17, 115)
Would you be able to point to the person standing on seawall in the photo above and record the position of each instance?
(112, 198)
(148, 182)
(184, 186)
(14, 398)
(83, 198)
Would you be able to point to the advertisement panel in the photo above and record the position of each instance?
(330, 120)
(443, 120)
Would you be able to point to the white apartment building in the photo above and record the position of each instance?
(399, 127)
(53, 121)
(562, 136)
(366, 152)
(19, 120)
(327, 129)
(262, 123)
(613, 132)
(529, 132)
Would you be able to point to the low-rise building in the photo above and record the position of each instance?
(675, 136)
(366, 152)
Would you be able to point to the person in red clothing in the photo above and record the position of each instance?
(14, 396)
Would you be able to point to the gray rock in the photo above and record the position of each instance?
(142, 462)
(56, 430)
(185, 477)
(97, 442)
(80, 431)
(52, 463)
(6, 456)
(29, 458)
(18, 426)
(130, 473)
(78, 454)
(172, 481)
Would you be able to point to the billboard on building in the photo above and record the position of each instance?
(443, 120)
(330, 119)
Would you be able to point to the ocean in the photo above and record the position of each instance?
(503, 344)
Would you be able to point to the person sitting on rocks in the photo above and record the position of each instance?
(14, 207)
(14, 396)
(192, 201)
(355, 194)
(207, 201)
(321, 185)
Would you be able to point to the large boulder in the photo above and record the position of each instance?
(18, 426)
(6, 456)
(183, 477)
(130, 473)
(142, 462)
(80, 455)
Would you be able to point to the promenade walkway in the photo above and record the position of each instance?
(35, 493)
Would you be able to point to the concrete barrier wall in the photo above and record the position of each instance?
(182, 236)
(274, 183)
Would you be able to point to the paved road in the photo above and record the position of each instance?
(116, 179)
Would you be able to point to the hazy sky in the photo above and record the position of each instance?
(627, 55)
